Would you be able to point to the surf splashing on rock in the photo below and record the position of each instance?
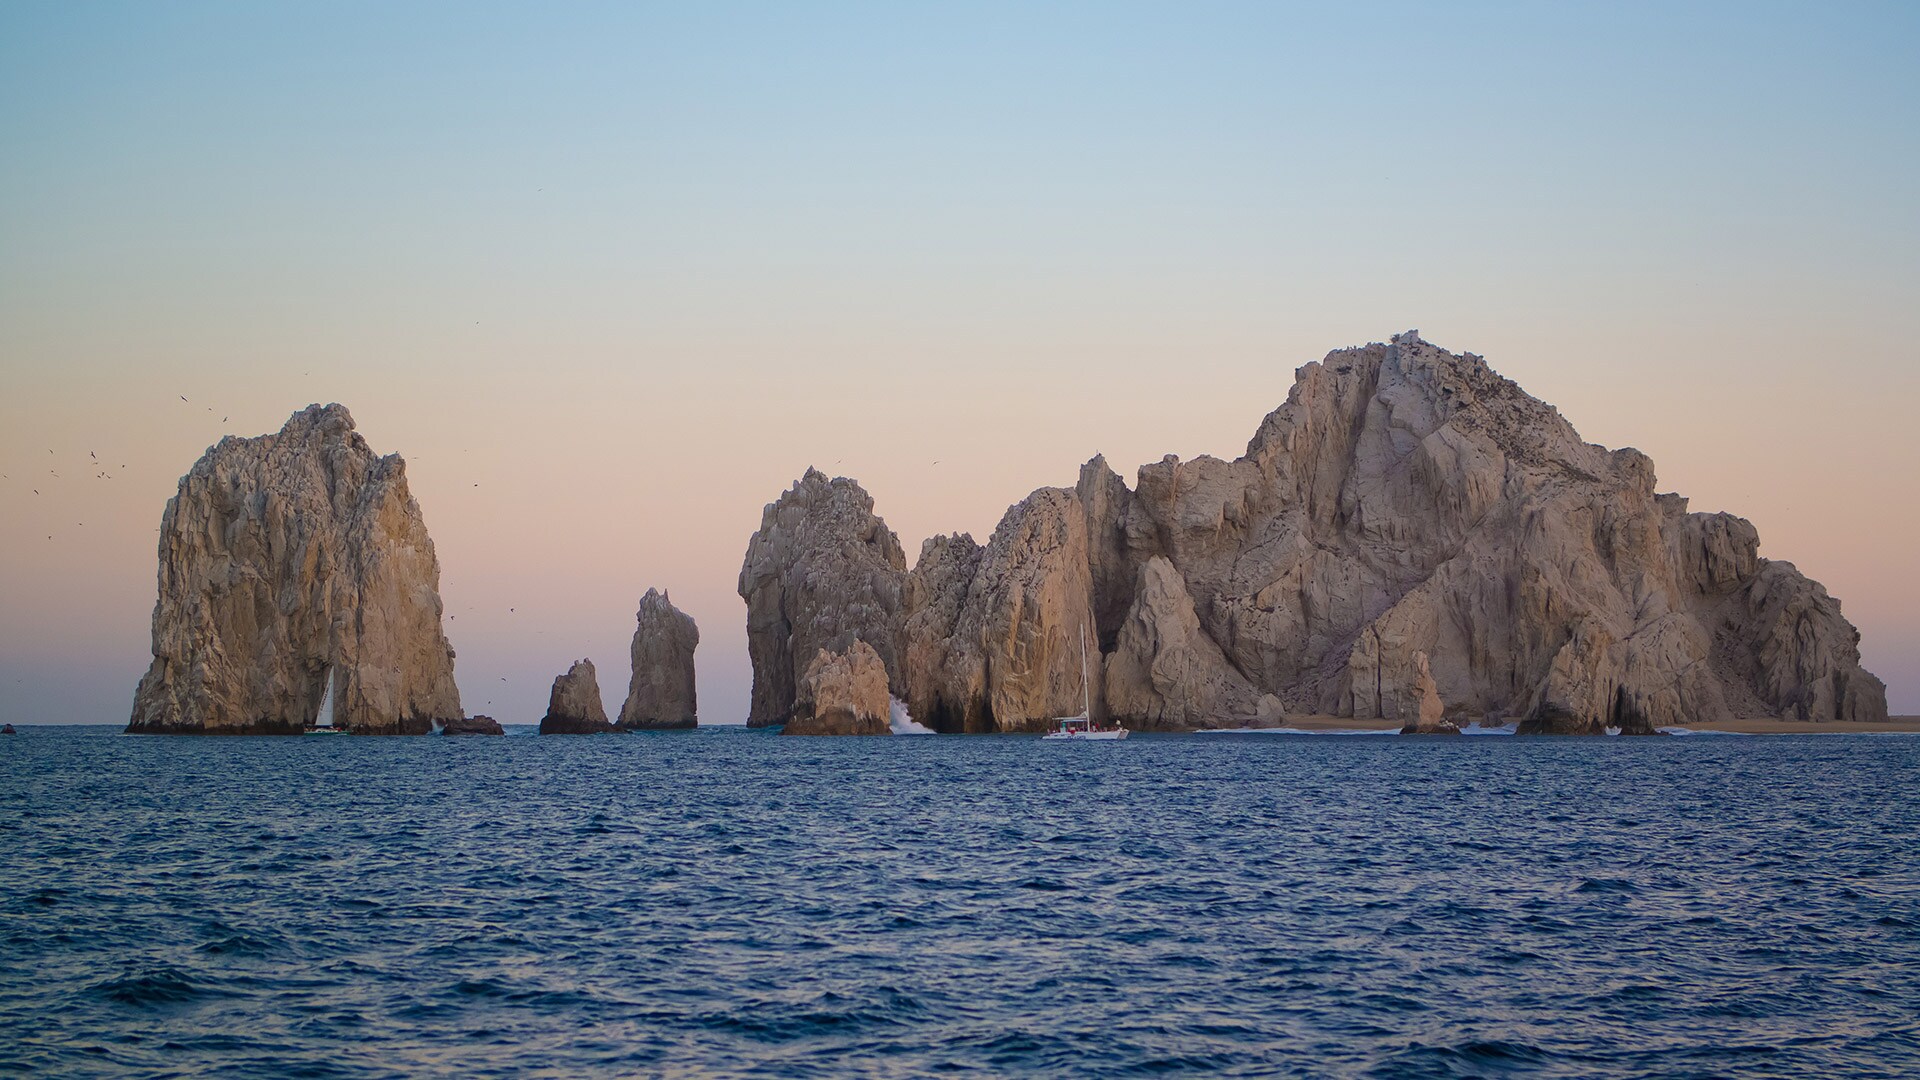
(902, 722)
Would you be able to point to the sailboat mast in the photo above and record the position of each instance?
(1086, 691)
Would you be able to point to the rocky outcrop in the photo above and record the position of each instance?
(842, 694)
(1432, 719)
(994, 633)
(1404, 501)
(823, 572)
(1165, 672)
(288, 562)
(574, 708)
(473, 725)
(661, 693)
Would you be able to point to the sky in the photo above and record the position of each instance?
(611, 277)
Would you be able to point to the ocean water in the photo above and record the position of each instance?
(733, 903)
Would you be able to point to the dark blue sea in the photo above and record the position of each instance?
(733, 903)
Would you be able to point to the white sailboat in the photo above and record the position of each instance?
(323, 720)
(1081, 727)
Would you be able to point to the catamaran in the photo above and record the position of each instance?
(1081, 727)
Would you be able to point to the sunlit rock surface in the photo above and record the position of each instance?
(1403, 501)
(286, 557)
(842, 694)
(574, 707)
(822, 572)
(661, 692)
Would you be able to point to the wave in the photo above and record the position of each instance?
(1477, 728)
(902, 721)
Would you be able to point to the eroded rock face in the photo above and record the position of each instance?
(286, 560)
(994, 633)
(821, 573)
(661, 692)
(1408, 500)
(1433, 712)
(473, 725)
(1408, 528)
(574, 707)
(1165, 672)
(842, 693)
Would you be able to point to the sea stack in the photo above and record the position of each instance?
(842, 694)
(1404, 501)
(661, 693)
(1433, 712)
(574, 707)
(822, 572)
(291, 564)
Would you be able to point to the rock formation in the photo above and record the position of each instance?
(822, 573)
(995, 633)
(574, 707)
(661, 692)
(1165, 672)
(289, 562)
(1433, 713)
(473, 725)
(842, 694)
(1403, 501)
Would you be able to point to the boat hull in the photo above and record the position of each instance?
(1088, 736)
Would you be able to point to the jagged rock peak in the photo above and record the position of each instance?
(842, 693)
(574, 707)
(994, 633)
(292, 564)
(661, 692)
(822, 572)
(1406, 499)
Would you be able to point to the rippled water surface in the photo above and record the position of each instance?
(731, 903)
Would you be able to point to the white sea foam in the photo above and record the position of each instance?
(902, 721)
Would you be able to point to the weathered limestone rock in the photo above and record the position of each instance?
(473, 725)
(995, 633)
(1433, 713)
(823, 572)
(661, 693)
(842, 694)
(1165, 672)
(288, 561)
(574, 708)
(1406, 500)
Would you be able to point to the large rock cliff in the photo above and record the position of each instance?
(1404, 500)
(821, 573)
(288, 562)
(661, 692)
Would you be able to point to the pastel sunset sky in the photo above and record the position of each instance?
(610, 277)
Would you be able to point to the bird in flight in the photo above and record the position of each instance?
(183, 397)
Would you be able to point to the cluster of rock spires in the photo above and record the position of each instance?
(297, 563)
(1410, 537)
(1408, 529)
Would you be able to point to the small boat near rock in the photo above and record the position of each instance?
(1082, 726)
